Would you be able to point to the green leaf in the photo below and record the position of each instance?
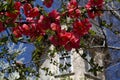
(95, 72)
(84, 55)
(82, 44)
(61, 65)
(103, 23)
(14, 39)
(92, 32)
(68, 64)
(118, 0)
(39, 38)
(100, 68)
(92, 60)
(90, 70)
(116, 32)
(4, 39)
(10, 4)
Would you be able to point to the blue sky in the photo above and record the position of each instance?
(55, 5)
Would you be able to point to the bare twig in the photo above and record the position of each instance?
(115, 13)
(110, 47)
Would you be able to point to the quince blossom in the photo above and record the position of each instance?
(29, 11)
(66, 40)
(94, 8)
(48, 3)
(14, 14)
(73, 9)
(80, 28)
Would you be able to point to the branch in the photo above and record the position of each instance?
(115, 13)
(92, 65)
(101, 27)
(110, 47)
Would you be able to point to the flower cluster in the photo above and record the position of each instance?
(37, 23)
(15, 13)
(38, 27)
(80, 28)
(94, 8)
(73, 9)
(48, 3)
(29, 11)
(65, 39)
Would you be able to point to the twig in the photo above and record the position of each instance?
(110, 47)
(115, 13)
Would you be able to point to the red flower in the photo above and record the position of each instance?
(1, 27)
(80, 28)
(64, 37)
(26, 8)
(73, 9)
(33, 31)
(17, 32)
(66, 40)
(29, 11)
(13, 15)
(17, 5)
(74, 42)
(48, 3)
(94, 8)
(34, 12)
(54, 15)
(60, 39)
(30, 20)
(74, 13)
(43, 23)
(25, 29)
(55, 27)
(97, 2)
(72, 4)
